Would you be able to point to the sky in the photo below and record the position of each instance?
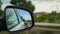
(46, 5)
(25, 14)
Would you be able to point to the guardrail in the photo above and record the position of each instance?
(47, 26)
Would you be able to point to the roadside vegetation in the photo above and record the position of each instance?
(52, 17)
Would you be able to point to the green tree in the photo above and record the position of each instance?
(23, 3)
(36, 19)
(54, 13)
(42, 18)
(51, 19)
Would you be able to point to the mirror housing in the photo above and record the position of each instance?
(17, 19)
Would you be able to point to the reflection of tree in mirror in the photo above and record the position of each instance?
(23, 19)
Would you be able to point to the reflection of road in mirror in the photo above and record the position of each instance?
(21, 26)
(18, 27)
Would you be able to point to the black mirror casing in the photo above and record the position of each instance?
(4, 19)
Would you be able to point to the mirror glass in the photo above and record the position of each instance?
(18, 19)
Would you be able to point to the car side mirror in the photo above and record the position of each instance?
(18, 19)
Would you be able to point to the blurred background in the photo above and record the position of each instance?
(44, 11)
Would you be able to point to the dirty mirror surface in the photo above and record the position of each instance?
(18, 19)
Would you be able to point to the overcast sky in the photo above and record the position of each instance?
(46, 5)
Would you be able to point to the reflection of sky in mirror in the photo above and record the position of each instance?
(24, 14)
